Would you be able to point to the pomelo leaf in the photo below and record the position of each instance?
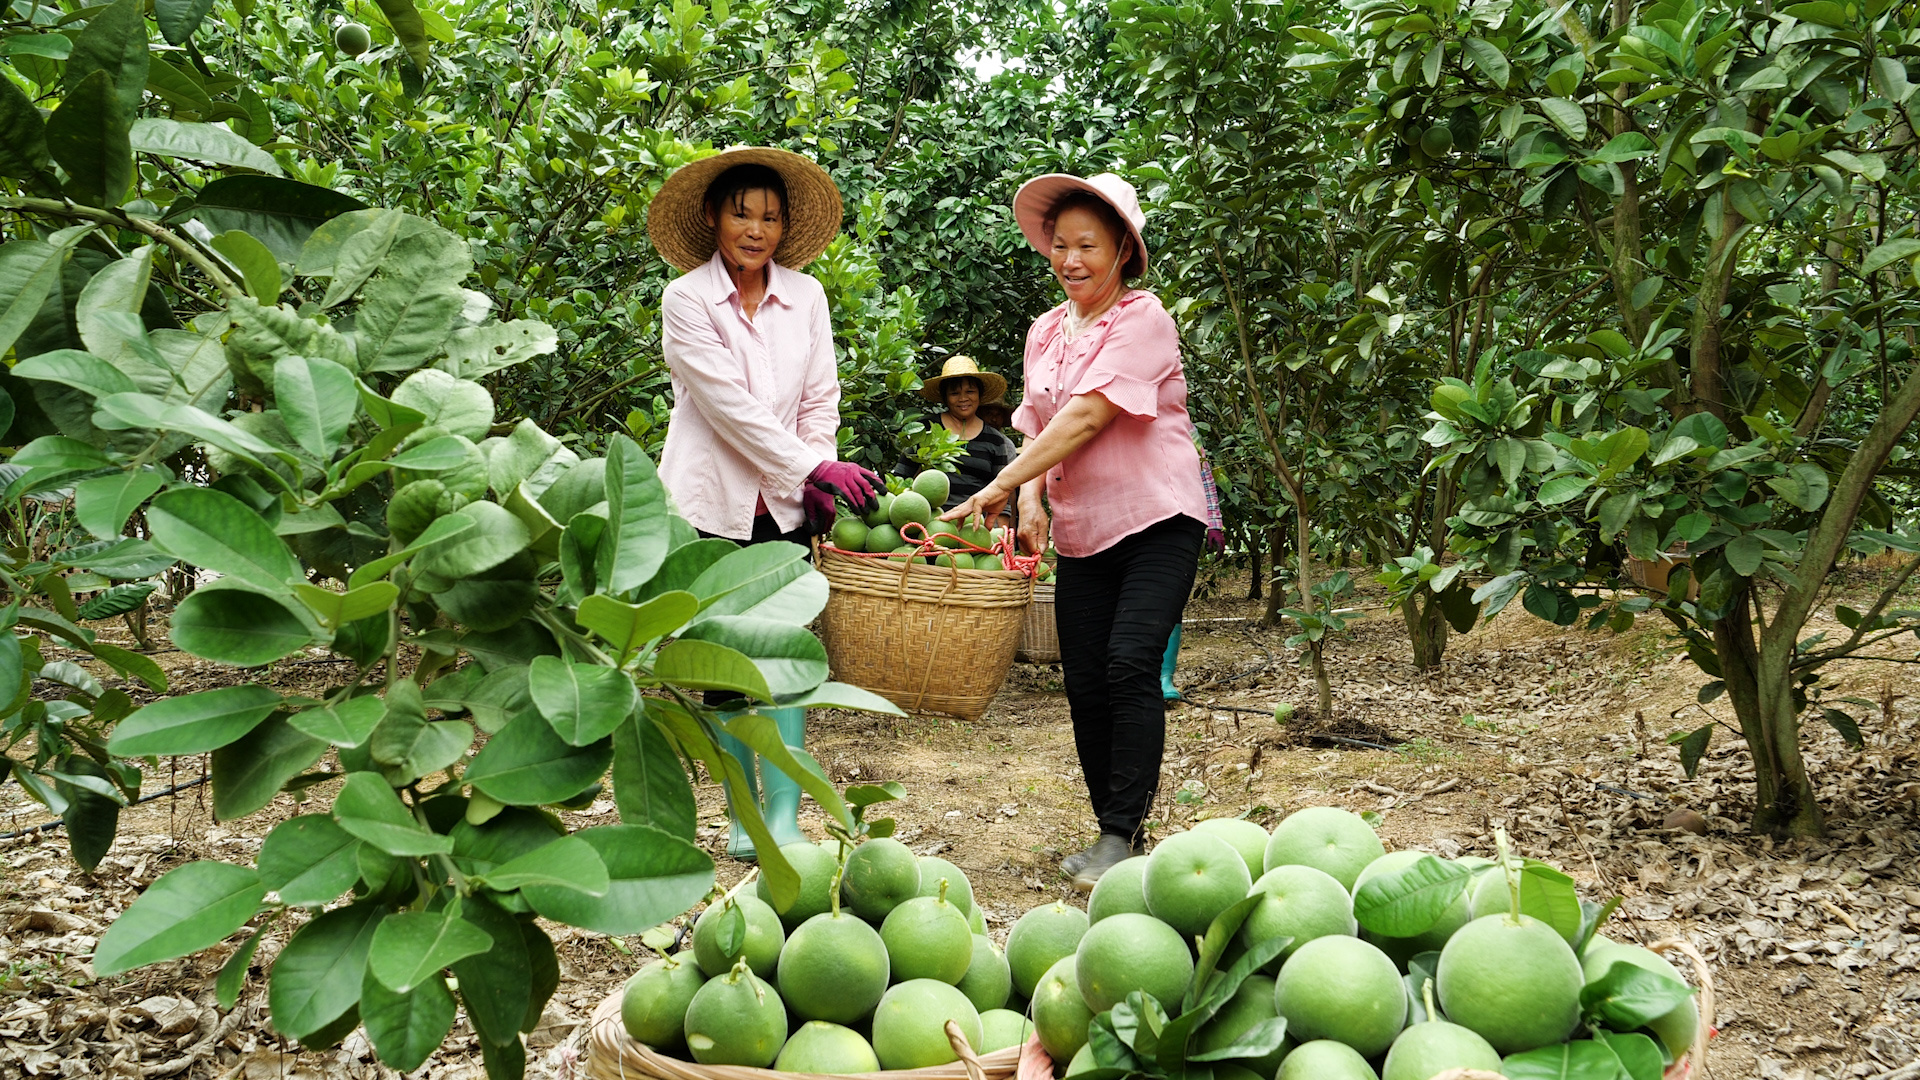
(652, 876)
(190, 908)
(565, 863)
(309, 860)
(316, 978)
(233, 973)
(406, 1028)
(235, 625)
(1581, 1060)
(1639, 1055)
(527, 764)
(1410, 900)
(345, 725)
(638, 530)
(1628, 996)
(1263, 1039)
(193, 723)
(1550, 896)
(250, 771)
(214, 530)
(1214, 945)
(650, 786)
(704, 665)
(583, 702)
(628, 627)
(411, 948)
(762, 735)
(368, 808)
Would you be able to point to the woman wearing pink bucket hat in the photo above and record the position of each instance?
(1111, 449)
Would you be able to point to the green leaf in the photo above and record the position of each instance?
(1487, 59)
(335, 610)
(344, 725)
(1629, 996)
(476, 351)
(214, 530)
(629, 627)
(234, 625)
(834, 695)
(309, 860)
(412, 948)
(190, 908)
(1693, 746)
(792, 660)
(1848, 728)
(771, 581)
(1805, 485)
(250, 771)
(23, 137)
(762, 734)
(57, 453)
(202, 142)
(650, 785)
(368, 808)
(411, 746)
(92, 815)
(316, 978)
(637, 536)
(406, 1029)
(443, 528)
(408, 310)
(178, 19)
(496, 536)
(703, 665)
(497, 986)
(28, 268)
(113, 45)
(1744, 554)
(259, 270)
(527, 764)
(88, 135)
(583, 702)
(1562, 489)
(1887, 254)
(1409, 901)
(409, 27)
(462, 407)
(567, 863)
(104, 503)
(179, 89)
(1626, 146)
(1583, 1059)
(1258, 1041)
(1639, 1055)
(1550, 896)
(279, 213)
(193, 723)
(233, 973)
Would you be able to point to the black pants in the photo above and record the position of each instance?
(764, 532)
(1114, 611)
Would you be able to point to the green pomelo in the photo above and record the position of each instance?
(1039, 940)
(880, 875)
(1120, 889)
(1342, 988)
(1297, 902)
(903, 553)
(352, 38)
(1060, 1014)
(833, 968)
(950, 559)
(989, 562)
(654, 1008)
(1492, 896)
(1001, 1028)
(1129, 952)
(1191, 878)
(909, 1027)
(1082, 1061)
(976, 922)
(1515, 984)
(927, 938)
(1324, 1059)
(1325, 838)
(933, 486)
(944, 533)
(909, 506)
(1437, 141)
(1424, 1051)
(988, 980)
(1244, 836)
(850, 534)
(881, 538)
(878, 516)
(816, 867)
(1434, 938)
(1677, 1028)
(820, 1047)
(934, 870)
(1248, 1008)
(736, 1019)
(976, 535)
(760, 944)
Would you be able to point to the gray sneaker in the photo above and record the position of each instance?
(1104, 855)
(1072, 864)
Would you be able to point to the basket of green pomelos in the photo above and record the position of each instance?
(1308, 954)
(930, 619)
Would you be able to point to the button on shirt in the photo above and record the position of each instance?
(756, 402)
(1141, 468)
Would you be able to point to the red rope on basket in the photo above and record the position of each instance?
(927, 547)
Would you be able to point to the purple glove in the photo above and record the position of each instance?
(1217, 541)
(860, 488)
(817, 505)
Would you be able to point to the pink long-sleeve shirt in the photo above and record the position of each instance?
(756, 402)
(1142, 468)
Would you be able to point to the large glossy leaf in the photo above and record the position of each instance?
(406, 1029)
(783, 881)
(92, 815)
(234, 625)
(189, 908)
(1410, 900)
(309, 860)
(497, 986)
(345, 725)
(200, 142)
(279, 213)
(527, 764)
(703, 665)
(628, 627)
(178, 19)
(650, 785)
(250, 771)
(565, 863)
(496, 536)
(193, 723)
(88, 135)
(214, 530)
(834, 695)
(409, 27)
(583, 702)
(316, 978)
(335, 609)
(462, 407)
(474, 351)
(637, 536)
(652, 877)
(412, 948)
(411, 306)
(23, 135)
(368, 808)
(104, 503)
(317, 400)
(789, 656)
(771, 581)
(1627, 996)
(762, 734)
(114, 45)
(1582, 1059)
(28, 271)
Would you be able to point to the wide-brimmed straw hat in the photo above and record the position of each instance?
(963, 367)
(677, 217)
(1037, 197)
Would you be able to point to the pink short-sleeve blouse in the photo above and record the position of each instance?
(1142, 468)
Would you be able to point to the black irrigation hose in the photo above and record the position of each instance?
(51, 825)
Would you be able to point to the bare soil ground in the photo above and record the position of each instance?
(1556, 735)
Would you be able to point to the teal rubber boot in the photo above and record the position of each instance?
(782, 807)
(1168, 663)
(739, 844)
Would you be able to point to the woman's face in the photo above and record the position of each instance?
(963, 398)
(1086, 257)
(748, 229)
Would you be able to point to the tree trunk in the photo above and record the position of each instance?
(1322, 683)
(1761, 693)
(1253, 556)
(1276, 555)
(1426, 626)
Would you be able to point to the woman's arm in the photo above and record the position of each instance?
(1083, 418)
(819, 416)
(1034, 526)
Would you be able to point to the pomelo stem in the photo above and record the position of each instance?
(1426, 992)
(943, 889)
(833, 887)
(1508, 867)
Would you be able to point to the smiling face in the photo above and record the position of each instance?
(747, 228)
(1087, 258)
(963, 397)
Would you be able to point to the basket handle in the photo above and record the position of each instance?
(1705, 977)
(965, 1049)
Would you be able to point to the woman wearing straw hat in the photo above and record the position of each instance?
(1110, 447)
(750, 452)
(964, 389)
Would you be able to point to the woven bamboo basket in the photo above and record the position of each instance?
(1039, 637)
(930, 639)
(612, 1054)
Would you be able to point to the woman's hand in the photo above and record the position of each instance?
(987, 502)
(1034, 533)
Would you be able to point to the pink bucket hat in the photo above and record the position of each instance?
(1038, 196)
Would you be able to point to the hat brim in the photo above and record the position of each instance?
(1038, 196)
(992, 386)
(677, 216)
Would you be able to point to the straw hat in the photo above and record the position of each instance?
(963, 367)
(1038, 196)
(677, 217)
